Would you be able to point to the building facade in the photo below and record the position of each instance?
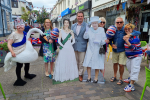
(5, 18)
(68, 9)
(17, 8)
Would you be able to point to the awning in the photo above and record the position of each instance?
(107, 5)
(72, 18)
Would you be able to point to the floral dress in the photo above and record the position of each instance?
(48, 50)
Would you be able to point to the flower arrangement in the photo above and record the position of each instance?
(3, 45)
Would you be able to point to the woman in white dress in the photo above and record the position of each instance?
(97, 39)
(66, 65)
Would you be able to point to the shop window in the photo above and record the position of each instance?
(14, 3)
(2, 2)
(8, 2)
(3, 19)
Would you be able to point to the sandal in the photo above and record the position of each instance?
(120, 82)
(112, 79)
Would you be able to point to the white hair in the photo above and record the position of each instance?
(119, 18)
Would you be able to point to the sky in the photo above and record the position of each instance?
(41, 3)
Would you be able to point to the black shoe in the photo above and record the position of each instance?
(95, 81)
(88, 80)
(30, 76)
(20, 82)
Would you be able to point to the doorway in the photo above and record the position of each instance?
(145, 27)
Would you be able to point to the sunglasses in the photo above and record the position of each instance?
(127, 28)
(102, 22)
(119, 22)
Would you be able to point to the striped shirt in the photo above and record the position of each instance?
(135, 49)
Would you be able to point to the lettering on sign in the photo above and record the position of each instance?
(73, 11)
(81, 7)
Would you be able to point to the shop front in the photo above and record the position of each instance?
(108, 10)
(5, 19)
(73, 16)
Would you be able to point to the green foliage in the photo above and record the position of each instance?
(25, 15)
(35, 11)
(4, 46)
(42, 16)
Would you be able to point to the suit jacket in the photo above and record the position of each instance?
(80, 43)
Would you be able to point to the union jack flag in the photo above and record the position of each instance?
(34, 41)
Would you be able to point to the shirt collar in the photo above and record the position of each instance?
(122, 29)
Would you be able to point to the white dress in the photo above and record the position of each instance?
(92, 58)
(66, 65)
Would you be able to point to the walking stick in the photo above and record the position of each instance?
(2, 91)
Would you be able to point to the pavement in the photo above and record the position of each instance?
(41, 87)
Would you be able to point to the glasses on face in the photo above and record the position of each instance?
(102, 22)
(127, 29)
(119, 22)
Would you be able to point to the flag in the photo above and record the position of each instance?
(123, 5)
(134, 1)
(142, 1)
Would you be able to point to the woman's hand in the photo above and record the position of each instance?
(126, 38)
(107, 41)
(50, 41)
(13, 54)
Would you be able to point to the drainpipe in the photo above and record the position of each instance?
(2, 18)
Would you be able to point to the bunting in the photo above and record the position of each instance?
(142, 1)
(123, 5)
(134, 1)
(128, 2)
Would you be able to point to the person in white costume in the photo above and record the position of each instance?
(97, 39)
(21, 52)
(66, 65)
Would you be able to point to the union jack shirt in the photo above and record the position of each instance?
(135, 49)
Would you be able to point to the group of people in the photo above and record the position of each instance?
(82, 49)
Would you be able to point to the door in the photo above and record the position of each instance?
(145, 26)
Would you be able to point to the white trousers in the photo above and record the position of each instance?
(133, 66)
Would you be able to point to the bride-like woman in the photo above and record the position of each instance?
(66, 65)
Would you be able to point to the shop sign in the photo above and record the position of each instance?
(81, 7)
(84, 6)
(65, 12)
(73, 11)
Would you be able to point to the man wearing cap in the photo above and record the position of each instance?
(80, 44)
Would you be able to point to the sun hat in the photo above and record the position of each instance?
(94, 19)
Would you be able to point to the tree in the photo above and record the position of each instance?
(42, 16)
(25, 15)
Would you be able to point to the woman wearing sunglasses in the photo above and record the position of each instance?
(102, 24)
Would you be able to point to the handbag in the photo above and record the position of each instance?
(101, 50)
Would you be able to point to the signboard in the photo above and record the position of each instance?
(84, 6)
(73, 11)
(66, 12)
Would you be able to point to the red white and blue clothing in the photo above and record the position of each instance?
(135, 49)
(134, 55)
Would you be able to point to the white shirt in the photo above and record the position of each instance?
(78, 29)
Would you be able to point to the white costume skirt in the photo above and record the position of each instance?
(66, 65)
